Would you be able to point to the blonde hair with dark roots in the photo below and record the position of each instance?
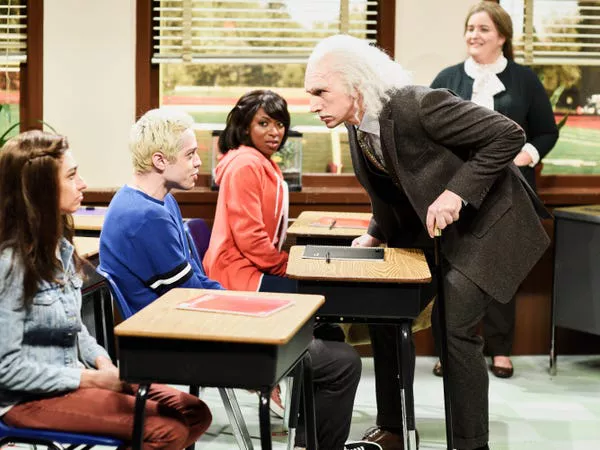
(364, 68)
(159, 130)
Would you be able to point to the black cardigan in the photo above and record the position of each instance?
(524, 101)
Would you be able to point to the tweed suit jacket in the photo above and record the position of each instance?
(431, 141)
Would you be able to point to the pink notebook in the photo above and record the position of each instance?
(341, 222)
(236, 304)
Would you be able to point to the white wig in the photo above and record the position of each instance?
(364, 68)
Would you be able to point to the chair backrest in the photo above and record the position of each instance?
(200, 234)
(49, 438)
(122, 305)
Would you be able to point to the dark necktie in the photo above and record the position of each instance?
(365, 145)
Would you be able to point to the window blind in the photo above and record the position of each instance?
(556, 32)
(254, 31)
(13, 34)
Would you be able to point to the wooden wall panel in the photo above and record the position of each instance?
(533, 298)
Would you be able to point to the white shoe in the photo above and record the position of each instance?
(276, 404)
(362, 445)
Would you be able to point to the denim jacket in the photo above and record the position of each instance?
(42, 347)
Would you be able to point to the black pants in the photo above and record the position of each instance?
(499, 328)
(336, 373)
(465, 306)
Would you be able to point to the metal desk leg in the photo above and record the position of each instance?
(109, 322)
(552, 368)
(265, 419)
(405, 359)
(138, 421)
(99, 318)
(293, 406)
(236, 419)
(195, 391)
(309, 404)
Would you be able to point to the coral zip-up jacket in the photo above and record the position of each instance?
(250, 221)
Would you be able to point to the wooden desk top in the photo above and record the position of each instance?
(302, 226)
(87, 247)
(399, 266)
(162, 319)
(88, 222)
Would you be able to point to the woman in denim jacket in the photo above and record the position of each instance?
(53, 374)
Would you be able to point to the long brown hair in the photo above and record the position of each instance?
(501, 20)
(31, 223)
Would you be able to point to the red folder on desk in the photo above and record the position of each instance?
(341, 222)
(236, 304)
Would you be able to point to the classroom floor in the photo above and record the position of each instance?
(531, 411)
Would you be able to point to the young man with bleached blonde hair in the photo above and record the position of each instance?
(143, 244)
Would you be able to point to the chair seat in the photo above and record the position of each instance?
(32, 434)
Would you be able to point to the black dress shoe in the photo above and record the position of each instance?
(501, 372)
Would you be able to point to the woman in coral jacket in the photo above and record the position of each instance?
(245, 247)
(252, 209)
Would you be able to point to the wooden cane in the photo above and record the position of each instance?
(443, 336)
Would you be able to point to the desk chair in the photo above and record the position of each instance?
(230, 403)
(54, 440)
(198, 235)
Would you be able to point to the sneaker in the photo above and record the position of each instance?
(276, 403)
(362, 445)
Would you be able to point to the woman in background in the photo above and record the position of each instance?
(491, 78)
(245, 250)
(53, 374)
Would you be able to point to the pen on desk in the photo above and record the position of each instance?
(332, 224)
(327, 257)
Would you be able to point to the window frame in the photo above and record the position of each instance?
(553, 189)
(31, 102)
(560, 190)
(147, 73)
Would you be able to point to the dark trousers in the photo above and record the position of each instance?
(336, 373)
(465, 306)
(499, 328)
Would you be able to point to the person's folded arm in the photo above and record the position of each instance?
(542, 132)
(89, 349)
(493, 141)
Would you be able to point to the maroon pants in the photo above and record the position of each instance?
(174, 419)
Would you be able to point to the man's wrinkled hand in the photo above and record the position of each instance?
(443, 211)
